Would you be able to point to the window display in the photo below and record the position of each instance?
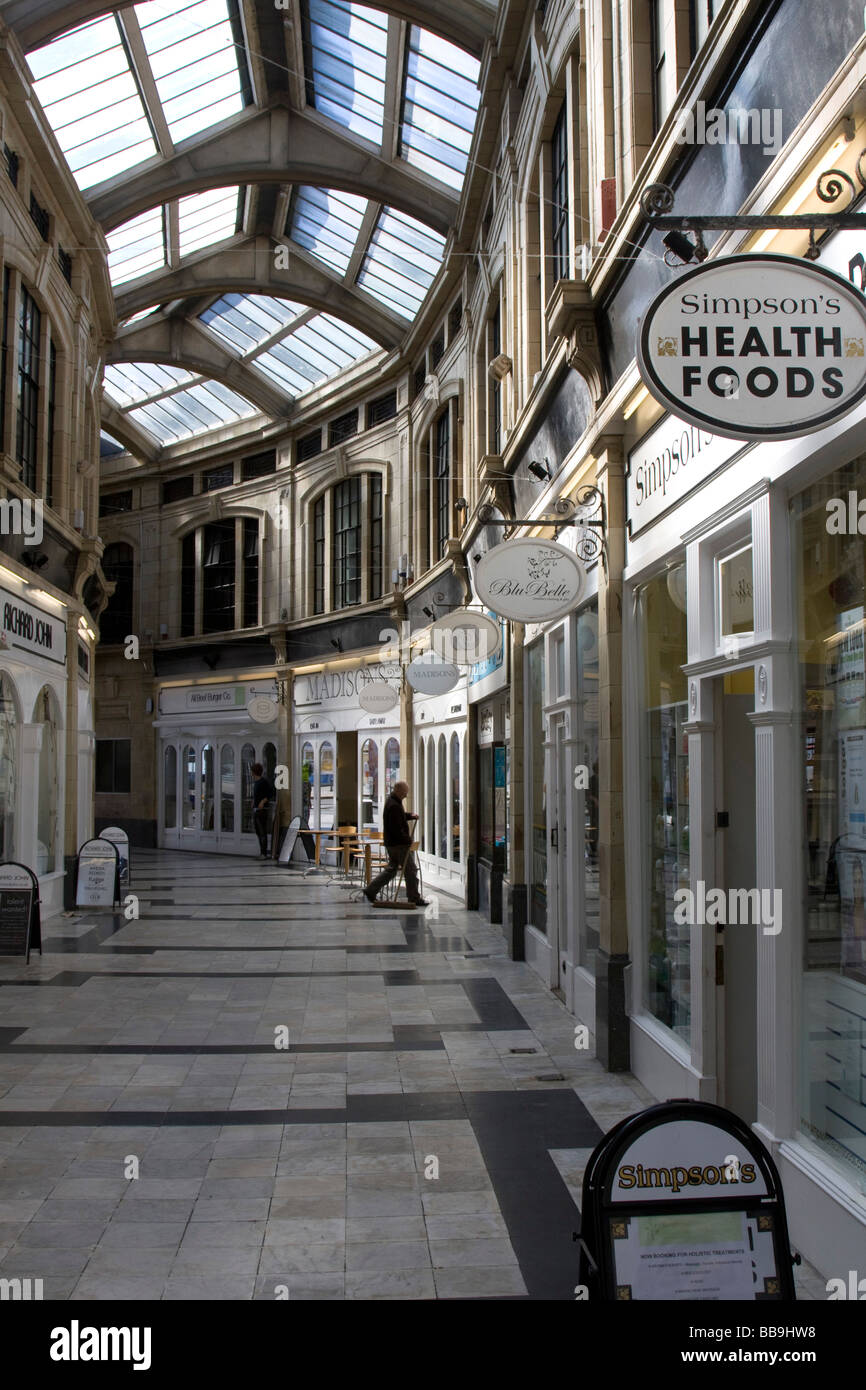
(666, 806)
(831, 599)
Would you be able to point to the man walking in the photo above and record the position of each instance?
(397, 835)
(264, 794)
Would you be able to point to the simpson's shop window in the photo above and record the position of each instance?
(830, 594)
(736, 596)
(665, 794)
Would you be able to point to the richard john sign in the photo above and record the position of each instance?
(756, 347)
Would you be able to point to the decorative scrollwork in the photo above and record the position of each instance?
(656, 200)
(563, 506)
(833, 183)
(589, 547)
(590, 499)
(486, 513)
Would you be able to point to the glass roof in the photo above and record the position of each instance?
(206, 218)
(313, 347)
(141, 246)
(138, 247)
(86, 87)
(327, 223)
(440, 103)
(346, 62)
(401, 262)
(194, 60)
(92, 92)
(173, 404)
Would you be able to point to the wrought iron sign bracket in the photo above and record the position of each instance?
(657, 201)
(568, 512)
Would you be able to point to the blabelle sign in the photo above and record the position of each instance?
(756, 347)
(529, 580)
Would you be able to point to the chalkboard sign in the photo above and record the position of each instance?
(683, 1201)
(19, 911)
(97, 881)
(119, 838)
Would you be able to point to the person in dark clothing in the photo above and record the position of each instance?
(397, 835)
(264, 794)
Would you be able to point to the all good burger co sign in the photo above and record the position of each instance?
(756, 347)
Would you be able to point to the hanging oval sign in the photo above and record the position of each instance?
(378, 696)
(756, 347)
(262, 709)
(530, 581)
(430, 676)
(465, 638)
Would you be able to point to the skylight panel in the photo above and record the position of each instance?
(440, 103)
(401, 262)
(137, 247)
(317, 350)
(327, 222)
(346, 61)
(244, 320)
(130, 382)
(195, 62)
(203, 406)
(84, 83)
(208, 217)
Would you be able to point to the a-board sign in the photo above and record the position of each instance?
(97, 881)
(683, 1201)
(119, 838)
(287, 848)
(19, 911)
(299, 846)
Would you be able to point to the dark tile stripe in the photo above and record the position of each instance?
(515, 1130)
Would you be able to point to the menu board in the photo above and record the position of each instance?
(18, 894)
(119, 838)
(97, 882)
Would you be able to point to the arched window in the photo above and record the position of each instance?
(188, 774)
(248, 757)
(392, 764)
(308, 778)
(369, 782)
(347, 525)
(169, 787)
(442, 800)
(46, 828)
(422, 811)
(430, 808)
(8, 767)
(326, 786)
(118, 566)
(227, 788)
(219, 577)
(207, 786)
(455, 796)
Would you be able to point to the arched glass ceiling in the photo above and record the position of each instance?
(170, 403)
(346, 48)
(160, 237)
(129, 85)
(398, 256)
(291, 343)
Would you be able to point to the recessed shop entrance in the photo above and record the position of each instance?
(737, 939)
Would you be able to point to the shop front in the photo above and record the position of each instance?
(346, 760)
(210, 736)
(439, 794)
(561, 798)
(745, 802)
(36, 636)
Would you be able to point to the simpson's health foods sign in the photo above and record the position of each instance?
(756, 347)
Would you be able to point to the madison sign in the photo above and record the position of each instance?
(756, 347)
(529, 580)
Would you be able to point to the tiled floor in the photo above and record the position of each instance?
(262, 1089)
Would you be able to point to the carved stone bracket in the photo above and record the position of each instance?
(501, 485)
(570, 314)
(454, 553)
